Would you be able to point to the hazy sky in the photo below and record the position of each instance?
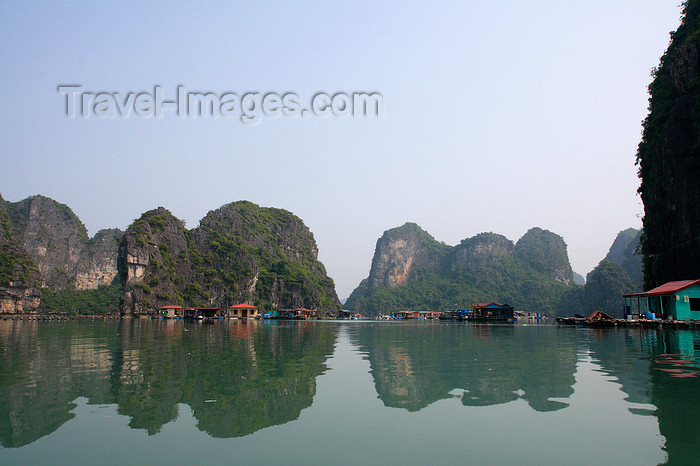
(498, 115)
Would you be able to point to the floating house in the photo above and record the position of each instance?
(348, 315)
(453, 314)
(210, 312)
(172, 312)
(305, 313)
(287, 314)
(673, 301)
(416, 315)
(202, 313)
(243, 311)
(528, 315)
(490, 312)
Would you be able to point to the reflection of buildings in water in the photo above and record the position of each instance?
(635, 358)
(688, 344)
(675, 385)
(173, 328)
(658, 368)
(678, 354)
(597, 334)
(244, 330)
(481, 331)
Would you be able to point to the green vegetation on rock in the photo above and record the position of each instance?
(240, 252)
(103, 300)
(15, 264)
(619, 273)
(667, 156)
(413, 271)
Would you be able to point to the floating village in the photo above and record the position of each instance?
(484, 312)
(672, 305)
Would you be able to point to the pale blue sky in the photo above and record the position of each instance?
(498, 115)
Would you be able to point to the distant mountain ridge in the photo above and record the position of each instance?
(268, 257)
(412, 270)
(240, 252)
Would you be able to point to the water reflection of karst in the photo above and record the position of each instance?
(44, 368)
(413, 367)
(237, 376)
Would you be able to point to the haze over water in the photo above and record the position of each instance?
(153, 391)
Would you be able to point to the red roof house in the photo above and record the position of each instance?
(243, 311)
(673, 300)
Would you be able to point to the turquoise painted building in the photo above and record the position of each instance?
(673, 300)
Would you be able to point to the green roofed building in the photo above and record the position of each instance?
(673, 300)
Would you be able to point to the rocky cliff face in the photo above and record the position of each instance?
(411, 270)
(618, 250)
(53, 236)
(620, 272)
(545, 252)
(625, 252)
(153, 260)
(400, 253)
(669, 160)
(484, 248)
(239, 253)
(20, 280)
(604, 289)
(97, 265)
(57, 241)
(579, 279)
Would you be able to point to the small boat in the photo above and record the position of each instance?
(570, 320)
(599, 319)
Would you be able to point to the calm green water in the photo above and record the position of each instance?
(140, 391)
